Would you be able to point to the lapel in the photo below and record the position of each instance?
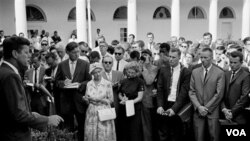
(235, 77)
(41, 72)
(77, 69)
(104, 75)
(202, 75)
(209, 74)
(114, 76)
(179, 80)
(31, 76)
(228, 76)
(67, 69)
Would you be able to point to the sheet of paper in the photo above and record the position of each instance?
(72, 85)
(30, 84)
(130, 108)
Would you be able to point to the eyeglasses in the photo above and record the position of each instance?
(44, 54)
(184, 46)
(83, 51)
(44, 44)
(107, 62)
(118, 53)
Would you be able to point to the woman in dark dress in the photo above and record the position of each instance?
(131, 88)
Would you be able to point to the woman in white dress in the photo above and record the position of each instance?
(99, 94)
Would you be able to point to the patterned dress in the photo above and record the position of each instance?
(96, 130)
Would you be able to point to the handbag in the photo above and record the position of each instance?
(106, 114)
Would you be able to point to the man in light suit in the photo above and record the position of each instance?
(73, 70)
(18, 119)
(115, 77)
(206, 92)
(237, 89)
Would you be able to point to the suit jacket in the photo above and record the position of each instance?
(236, 94)
(163, 90)
(29, 75)
(82, 76)
(208, 93)
(17, 117)
(117, 76)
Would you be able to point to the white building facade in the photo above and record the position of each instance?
(118, 18)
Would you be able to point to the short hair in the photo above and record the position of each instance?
(245, 40)
(223, 48)
(55, 31)
(50, 55)
(36, 55)
(119, 47)
(182, 38)
(237, 47)
(135, 54)
(94, 54)
(150, 33)
(52, 48)
(13, 43)
(207, 49)
(83, 44)
(115, 42)
(107, 56)
(235, 54)
(104, 43)
(71, 46)
(207, 34)
(147, 51)
(166, 46)
(140, 43)
(101, 36)
(176, 50)
(110, 49)
(132, 35)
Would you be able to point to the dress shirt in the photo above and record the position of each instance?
(122, 64)
(175, 78)
(72, 66)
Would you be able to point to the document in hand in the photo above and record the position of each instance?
(185, 112)
(130, 108)
(72, 85)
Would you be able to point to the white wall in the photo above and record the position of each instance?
(57, 11)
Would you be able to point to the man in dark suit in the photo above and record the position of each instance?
(206, 91)
(35, 76)
(115, 77)
(237, 89)
(18, 119)
(73, 70)
(173, 87)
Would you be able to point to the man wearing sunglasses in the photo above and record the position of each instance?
(84, 51)
(119, 62)
(115, 77)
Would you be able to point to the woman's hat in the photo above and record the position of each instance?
(94, 66)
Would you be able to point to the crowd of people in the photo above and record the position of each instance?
(179, 89)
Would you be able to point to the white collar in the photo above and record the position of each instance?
(207, 68)
(12, 66)
(72, 62)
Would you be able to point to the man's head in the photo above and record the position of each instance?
(147, 54)
(207, 38)
(107, 63)
(134, 55)
(51, 59)
(84, 48)
(119, 52)
(131, 38)
(174, 41)
(164, 49)
(246, 42)
(21, 34)
(150, 36)
(98, 30)
(36, 60)
(94, 56)
(103, 48)
(236, 60)
(17, 48)
(174, 57)
(73, 51)
(138, 45)
(183, 47)
(44, 44)
(219, 51)
(55, 33)
(1, 33)
(206, 57)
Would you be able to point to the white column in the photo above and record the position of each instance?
(132, 21)
(89, 24)
(212, 27)
(20, 17)
(81, 22)
(245, 19)
(175, 18)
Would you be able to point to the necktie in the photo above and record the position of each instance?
(35, 80)
(117, 67)
(171, 79)
(109, 77)
(72, 69)
(205, 75)
(233, 75)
